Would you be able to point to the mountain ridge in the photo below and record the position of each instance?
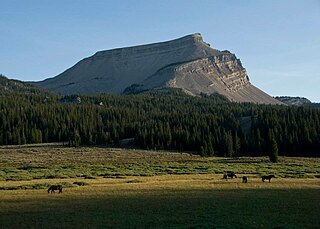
(187, 62)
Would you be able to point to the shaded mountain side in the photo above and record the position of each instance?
(188, 63)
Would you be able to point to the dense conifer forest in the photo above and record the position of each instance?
(161, 120)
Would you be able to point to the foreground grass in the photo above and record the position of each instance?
(169, 201)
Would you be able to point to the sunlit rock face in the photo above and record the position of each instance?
(188, 63)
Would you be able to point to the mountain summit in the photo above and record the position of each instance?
(188, 63)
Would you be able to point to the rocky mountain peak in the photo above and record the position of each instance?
(187, 62)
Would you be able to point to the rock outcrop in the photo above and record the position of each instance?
(188, 63)
(294, 101)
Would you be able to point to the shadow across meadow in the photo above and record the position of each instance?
(196, 208)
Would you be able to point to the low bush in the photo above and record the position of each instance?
(80, 183)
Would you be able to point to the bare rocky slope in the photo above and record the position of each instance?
(188, 63)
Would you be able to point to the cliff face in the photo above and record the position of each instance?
(188, 63)
(221, 74)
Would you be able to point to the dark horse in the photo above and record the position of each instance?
(267, 178)
(244, 179)
(55, 187)
(229, 174)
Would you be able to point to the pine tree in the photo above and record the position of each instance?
(227, 145)
(75, 139)
(273, 156)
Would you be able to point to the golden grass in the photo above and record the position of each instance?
(110, 186)
(167, 201)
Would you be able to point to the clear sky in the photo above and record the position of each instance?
(278, 41)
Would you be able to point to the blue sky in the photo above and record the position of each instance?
(277, 41)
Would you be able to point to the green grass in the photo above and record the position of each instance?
(62, 162)
(301, 169)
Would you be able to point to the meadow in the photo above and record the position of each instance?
(121, 188)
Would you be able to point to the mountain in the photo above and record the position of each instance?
(297, 101)
(188, 63)
(293, 101)
(9, 85)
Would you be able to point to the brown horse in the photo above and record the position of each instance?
(267, 178)
(55, 187)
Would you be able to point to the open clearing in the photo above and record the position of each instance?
(145, 189)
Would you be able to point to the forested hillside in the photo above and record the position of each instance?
(207, 125)
(9, 85)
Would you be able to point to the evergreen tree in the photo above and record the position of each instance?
(273, 156)
(227, 145)
(75, 139)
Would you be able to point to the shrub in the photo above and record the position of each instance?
(80, 183)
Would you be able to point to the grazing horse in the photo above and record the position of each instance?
(55, 187)
(229, 174)
(244, 179)
(267, 178)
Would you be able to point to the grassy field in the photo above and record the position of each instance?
(28, 163)
(116, 188)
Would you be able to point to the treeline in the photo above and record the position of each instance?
(170, 120)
